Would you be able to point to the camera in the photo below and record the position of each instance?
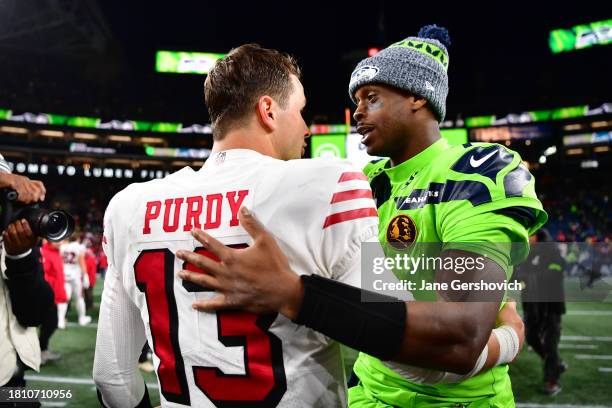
(53, 225)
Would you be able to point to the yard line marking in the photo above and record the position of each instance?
(52, 404)
(53, 379)
(605, 369)
(89, 325)
(70, 380)
(578, 346)
(591, 357)
(590, 312)
(586, 338)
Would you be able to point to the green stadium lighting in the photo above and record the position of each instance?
(180, 62)
(5, 114)
(480, 121)
(580, 36)
(84, 122)
(328, 146)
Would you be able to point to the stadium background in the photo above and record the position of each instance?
(83, 108)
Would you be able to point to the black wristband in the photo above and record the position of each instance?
(335, 309)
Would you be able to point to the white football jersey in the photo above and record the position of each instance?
(71, 252)
(319, 212)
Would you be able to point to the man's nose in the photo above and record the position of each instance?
(359, 114)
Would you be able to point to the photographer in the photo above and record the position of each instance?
(24, 294)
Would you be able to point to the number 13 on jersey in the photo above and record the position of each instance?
(264, 381)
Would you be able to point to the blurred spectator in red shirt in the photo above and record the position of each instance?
(103, 263)
(53, 266)
(92, 267)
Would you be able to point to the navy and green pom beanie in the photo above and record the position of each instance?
(416, 64)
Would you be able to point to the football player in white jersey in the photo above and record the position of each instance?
(75, 273)
(319, 210)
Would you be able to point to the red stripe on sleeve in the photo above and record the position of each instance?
(349, 215)
(351, 195)
(352, 175)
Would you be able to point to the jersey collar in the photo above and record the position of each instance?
(404, 170)
(217, 159)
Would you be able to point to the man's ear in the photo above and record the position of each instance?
(266, 112)
(417, 102)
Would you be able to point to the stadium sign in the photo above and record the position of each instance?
(100, 123)
(570, 112)
(328, 146)
(84, 171)
(177, 152)
(179, 62)
(580, 36)
(84, 148)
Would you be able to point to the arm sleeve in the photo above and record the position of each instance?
(31, 296)
(350, 220)
(119, 342)
(121, 335)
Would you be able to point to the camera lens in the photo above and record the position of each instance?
(56, 225)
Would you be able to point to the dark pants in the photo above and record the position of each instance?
(543, 333)
(144, 354)
(18, 381)
(89, 299)
(48, 327)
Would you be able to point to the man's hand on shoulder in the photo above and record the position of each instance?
(257, 279)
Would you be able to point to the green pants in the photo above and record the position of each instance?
(381, 388)
(360, 397)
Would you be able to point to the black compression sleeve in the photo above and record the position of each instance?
(335, 309)
(31, 295)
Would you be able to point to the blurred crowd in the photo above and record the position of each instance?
(583, 216)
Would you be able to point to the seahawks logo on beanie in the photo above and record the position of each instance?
(366, 73)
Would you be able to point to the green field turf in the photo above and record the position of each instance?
(583, 384)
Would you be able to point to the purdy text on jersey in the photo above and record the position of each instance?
(190, 215)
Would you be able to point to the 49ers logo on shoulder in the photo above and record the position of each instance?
(401, 232)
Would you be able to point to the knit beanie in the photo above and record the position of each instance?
(416, 64)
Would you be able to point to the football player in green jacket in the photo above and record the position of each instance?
(475, 202)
